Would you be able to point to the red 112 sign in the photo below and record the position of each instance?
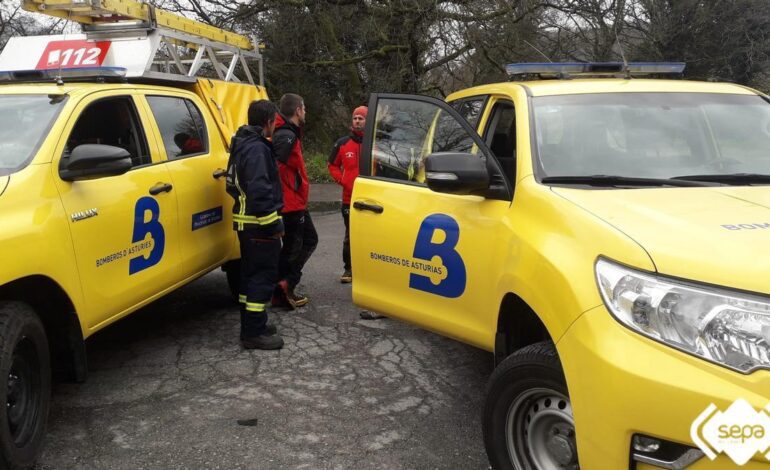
(73, 54)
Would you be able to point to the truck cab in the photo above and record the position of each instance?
(594, 227)
(112, 188)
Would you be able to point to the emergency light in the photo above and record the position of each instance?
(594, 69)
(92, 73)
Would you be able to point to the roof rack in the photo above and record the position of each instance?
(565, 70)
(137, 36)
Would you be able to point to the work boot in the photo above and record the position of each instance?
(347, 277)
(265, 342)
(297, 299)
(294, 299)
(270, 329)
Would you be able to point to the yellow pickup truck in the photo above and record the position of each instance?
(602, 231)
(112, 193)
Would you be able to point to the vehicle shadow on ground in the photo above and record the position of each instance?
(167, 316)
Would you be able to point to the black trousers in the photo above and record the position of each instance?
(346, 240)
(259, 275)
(299, 242)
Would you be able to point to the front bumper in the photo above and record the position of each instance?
(621, 383)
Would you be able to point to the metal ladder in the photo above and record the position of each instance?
(129, 19)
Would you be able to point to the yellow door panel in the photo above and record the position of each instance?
(417, 254)
(125, 238)
(426, 257)
(196, 165)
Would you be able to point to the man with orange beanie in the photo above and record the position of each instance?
(343, 166)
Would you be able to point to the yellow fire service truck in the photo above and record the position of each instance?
(113, 152)
(605, 235)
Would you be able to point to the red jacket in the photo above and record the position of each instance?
(343, 162)
(287, 147)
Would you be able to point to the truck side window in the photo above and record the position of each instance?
(408, 131)
(470, 109)
(500, 135)
(181, 126)
(448, 136)
(111, 121)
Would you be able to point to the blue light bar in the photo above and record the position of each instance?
(568, 69)
(91, 73)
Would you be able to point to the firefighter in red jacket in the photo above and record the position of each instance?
(343, 166)
(300, 238)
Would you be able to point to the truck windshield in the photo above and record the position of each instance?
(24, 121)
(699, 136)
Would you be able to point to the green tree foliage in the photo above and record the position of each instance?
(336, 52)
(719, 39)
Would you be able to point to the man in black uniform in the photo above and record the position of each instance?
(252, 180)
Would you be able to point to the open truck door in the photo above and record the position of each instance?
(428, 193)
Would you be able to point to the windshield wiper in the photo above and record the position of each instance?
(613, 180)
(733, 178)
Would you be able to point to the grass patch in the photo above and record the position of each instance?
(317, 172)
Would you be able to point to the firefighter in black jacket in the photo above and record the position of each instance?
(252, 180)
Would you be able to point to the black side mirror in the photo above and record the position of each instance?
(93, 160)
(456, 173)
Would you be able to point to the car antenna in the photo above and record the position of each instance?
(538, 50)
(626, 71)
(59, 81)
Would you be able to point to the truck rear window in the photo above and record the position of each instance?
(24, 122)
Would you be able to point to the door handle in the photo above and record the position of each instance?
(362, 206)
(160, 188)
(218, 173)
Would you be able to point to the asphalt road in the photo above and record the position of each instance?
(169, 384)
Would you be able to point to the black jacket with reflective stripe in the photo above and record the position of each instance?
(252, 180)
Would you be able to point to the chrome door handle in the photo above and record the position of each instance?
(218, 173)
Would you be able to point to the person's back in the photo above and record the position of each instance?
(253, 183)
(252, 180)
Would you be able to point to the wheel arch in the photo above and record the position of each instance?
(59, 317)
(518, 326)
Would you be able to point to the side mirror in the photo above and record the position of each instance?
(92, 160)
(456, 173)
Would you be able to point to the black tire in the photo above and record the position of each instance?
(527, 394)
(233, 271)
(25, 364)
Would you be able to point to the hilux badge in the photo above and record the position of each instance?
(84, 214)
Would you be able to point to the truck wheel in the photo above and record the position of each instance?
(527, 421)
(25, 362)
(233, 271)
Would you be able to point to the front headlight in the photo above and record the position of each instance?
(725, 327)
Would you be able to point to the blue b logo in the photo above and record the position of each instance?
(454, 284)
(141, 229)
